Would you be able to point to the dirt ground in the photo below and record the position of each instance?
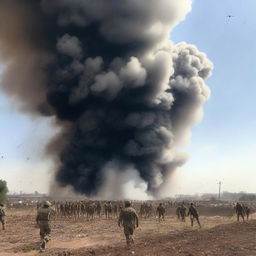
(219, 236)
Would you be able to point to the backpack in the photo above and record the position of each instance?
(2, 213)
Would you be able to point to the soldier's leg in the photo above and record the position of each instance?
(131, 235)
(237, 215)
(192, 220)
(127, 236)
(42, 235)
(128, 231)
(3, 223)
(198, 222)
(45, 234)
(242, 215)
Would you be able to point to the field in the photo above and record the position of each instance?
(219, 236)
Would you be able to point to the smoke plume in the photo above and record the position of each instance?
(123, 93)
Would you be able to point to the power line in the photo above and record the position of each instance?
(219, 183)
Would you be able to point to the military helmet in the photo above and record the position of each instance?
(46, 204)
(127, 203)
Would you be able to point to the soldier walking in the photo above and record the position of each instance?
(178, 212)
(247, 212)
(43, 221)
(193, 213)
(183, 210)
(2, 216)
(239, 211)
(128, 218)
(161, 212)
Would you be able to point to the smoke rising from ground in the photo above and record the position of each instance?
(123, 93)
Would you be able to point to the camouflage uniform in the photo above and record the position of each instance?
(128, 218)
(247, 212)
(192, 212)
(43, 221)
(2, 216)
(161, 212)
(239, 211)
(178, 212)
(183, 210)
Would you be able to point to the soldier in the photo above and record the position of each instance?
(192, 212)
(183, 210)
(115, 210)
(160, 211)
(43, 221)
(98, 209)
(247, 212)
(142, 210)
(2, 216)
(239, 211)
(128, 218)
(178, 212)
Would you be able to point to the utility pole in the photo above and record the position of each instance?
(219, 188)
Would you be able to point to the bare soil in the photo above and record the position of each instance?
(219, 236)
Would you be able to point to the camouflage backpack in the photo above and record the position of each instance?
(2, 213)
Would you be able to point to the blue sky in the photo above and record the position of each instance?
(222, 145)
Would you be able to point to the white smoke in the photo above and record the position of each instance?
(126, 184)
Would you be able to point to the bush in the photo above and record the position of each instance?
(247, 197)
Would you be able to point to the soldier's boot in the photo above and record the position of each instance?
(43, 245)
(3, 226)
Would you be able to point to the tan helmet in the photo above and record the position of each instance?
(46, 204)
(127, 203)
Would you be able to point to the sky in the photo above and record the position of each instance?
(222, 145)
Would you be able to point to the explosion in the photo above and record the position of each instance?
(123, 94)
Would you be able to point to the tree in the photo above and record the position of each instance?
(3, 191)
(247, 197)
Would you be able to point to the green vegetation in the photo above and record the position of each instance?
(3, 191)
(248, 197)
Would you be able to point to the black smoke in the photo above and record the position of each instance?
(120, 90)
